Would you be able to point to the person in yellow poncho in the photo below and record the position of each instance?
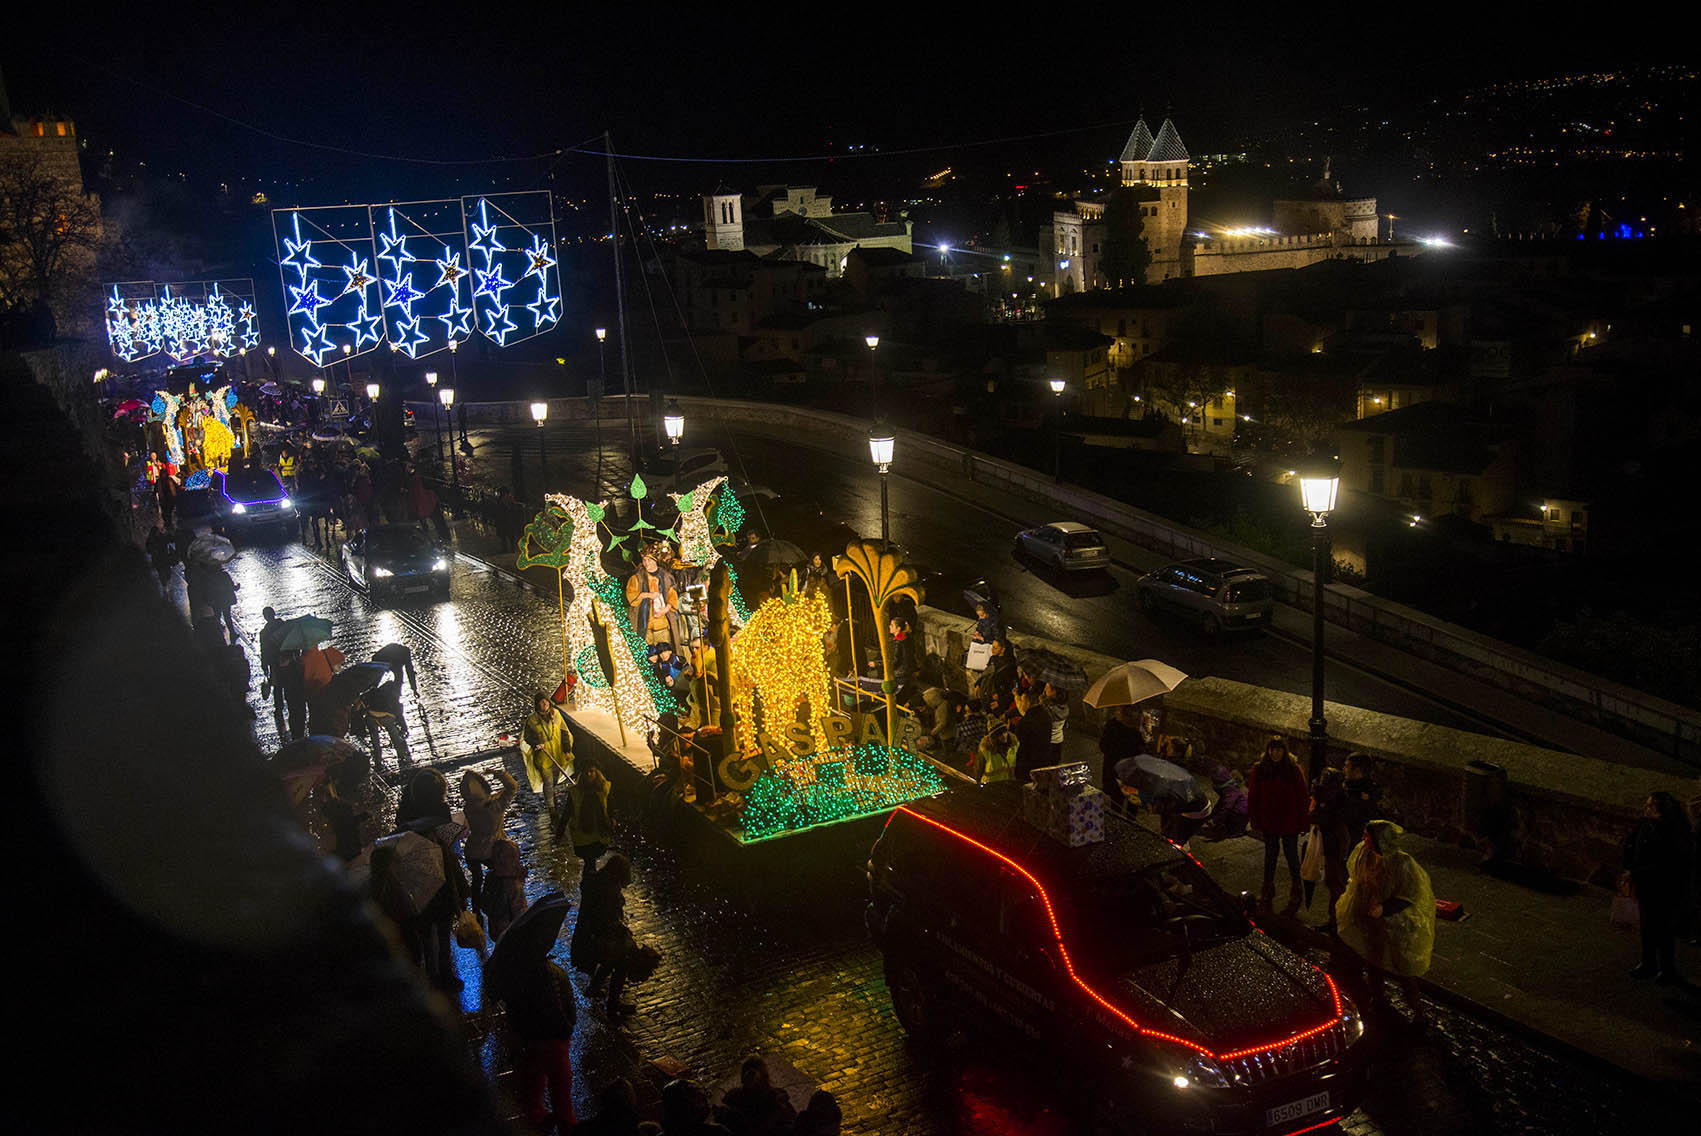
(546, 746)
(1387, 913)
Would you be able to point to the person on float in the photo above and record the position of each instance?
(652, 600)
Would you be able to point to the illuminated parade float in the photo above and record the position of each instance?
(776, 741)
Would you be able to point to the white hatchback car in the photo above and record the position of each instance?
(1066, 545)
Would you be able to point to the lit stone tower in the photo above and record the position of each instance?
(723, 220)
(1160, 163)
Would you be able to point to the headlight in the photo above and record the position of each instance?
(286, 503)
(440, 565)
(238, 508)
(1189, 1068)
(380, 573)
(1352, 1022)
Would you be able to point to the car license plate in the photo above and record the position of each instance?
(1293, 1110)
(412, 588)
(1254, 615)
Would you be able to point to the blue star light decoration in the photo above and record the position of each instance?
(421, 275)
(325, 267)
(427, 288)
(505, 250)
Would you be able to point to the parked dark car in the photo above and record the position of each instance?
(397, 560)
(1120, 958)
(1213, 594)
(246, 500)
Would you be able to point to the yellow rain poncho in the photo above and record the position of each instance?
(1380, 876)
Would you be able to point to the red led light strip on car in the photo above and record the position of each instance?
(1069, 965)
(1314, 1127)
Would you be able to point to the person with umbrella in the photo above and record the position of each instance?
(293, 637)
(331, 708)
(424, 811)
(538, 995)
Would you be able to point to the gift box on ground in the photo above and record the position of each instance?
(1067, 778)
(1078, 819)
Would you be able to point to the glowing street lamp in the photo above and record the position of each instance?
(540, 411)
(446, 396)
(673, 421)
(1057, 388)
(1319, 486)
(372, 391)
(319, 385)
(881, 444)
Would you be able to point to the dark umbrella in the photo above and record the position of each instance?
(527, 941)
(773, 554)
(1050, 667)
(352, 682)
(1159, 780)
(303, 632)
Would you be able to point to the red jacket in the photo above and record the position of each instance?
(1280, 800)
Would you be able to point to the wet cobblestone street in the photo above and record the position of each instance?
(791, 971)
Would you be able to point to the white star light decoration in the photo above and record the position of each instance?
(499, 264)
(183, 328)
(423, 297)
(327, 309)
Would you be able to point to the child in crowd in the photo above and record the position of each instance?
(504, 894)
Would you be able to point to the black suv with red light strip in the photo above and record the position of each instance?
(1121, 957)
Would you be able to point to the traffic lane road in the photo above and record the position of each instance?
(820, 494)
(795, 974)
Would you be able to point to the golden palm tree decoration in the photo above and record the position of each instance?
(886, 577)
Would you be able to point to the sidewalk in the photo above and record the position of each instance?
(1544, 959)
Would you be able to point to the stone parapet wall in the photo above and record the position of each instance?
(1566, 814)
(1662, 726)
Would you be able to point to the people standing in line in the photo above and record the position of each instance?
(424, 810)
(592, 824)
(165, 494)
(996, 683)
(685, 1111)
(160, 554)
(502, 894)
(1278, 804)
(221, 595)
(318, 664)
(1033, 736)
(1119, 739)
(996, 756)
(987, 627)
(1328, 806)
(1228, 815)
(541, 1013)
(399, 658)
(270, 635)
(548, 747)
(754, 1107)
(484, 809)
(1387, 913)
(602, 944)
(617, 1113)
(381, 708)
(1361, 797)
(1658, 857)
(1056, 704)
(288, 678)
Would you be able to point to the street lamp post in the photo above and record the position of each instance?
(1319, 484)
(436, 417)
(348, 363)
(454, 346)
(1057, 387)
(540, 411)
(596, 401)
(873, 342)
(881, 443)
(447, 397)
(673, 421)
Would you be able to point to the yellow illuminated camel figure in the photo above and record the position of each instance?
(780, 660)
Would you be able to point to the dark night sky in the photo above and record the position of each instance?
(446, 83)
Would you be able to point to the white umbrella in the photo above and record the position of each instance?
(210, 549)
(1132, 683)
